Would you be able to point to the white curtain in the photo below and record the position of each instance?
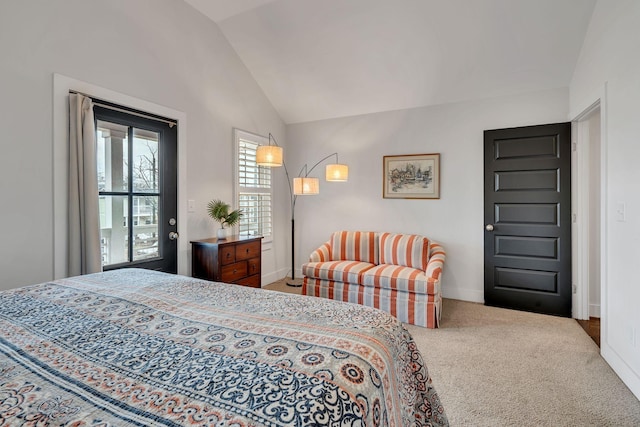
(84, 220)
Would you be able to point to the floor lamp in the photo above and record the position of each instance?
(303, 185)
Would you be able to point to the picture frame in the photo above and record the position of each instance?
(411, 176)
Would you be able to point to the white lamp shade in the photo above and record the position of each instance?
(269, 155)
(306, 186)
(337, 173)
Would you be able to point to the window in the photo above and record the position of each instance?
(253, 187)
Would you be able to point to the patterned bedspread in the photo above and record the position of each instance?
(136, 347)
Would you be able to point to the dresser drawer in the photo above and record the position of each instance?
(251, 281)
(233, 272)
(227, 254)
(247, 250)
(253, 266)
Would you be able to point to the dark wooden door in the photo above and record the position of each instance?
(527, 212)
(138, 181)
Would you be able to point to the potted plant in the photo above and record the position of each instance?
(221, 212)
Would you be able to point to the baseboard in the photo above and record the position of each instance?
(594, 310)
(273, 276)
(464, 294)
(621, 368)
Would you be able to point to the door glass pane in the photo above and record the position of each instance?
(114, 229)
(137, 168)
(145, 161)
(145, 227)
(112, 146)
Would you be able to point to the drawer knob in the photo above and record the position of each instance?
(247, 250)
(235, 271)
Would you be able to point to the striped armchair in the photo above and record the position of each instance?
(398, 273)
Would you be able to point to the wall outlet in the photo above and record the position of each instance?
(191, 205)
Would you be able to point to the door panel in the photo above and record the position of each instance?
(527, 280)
(523, 213)
(522, 246)
(527, 180)
(527, 215)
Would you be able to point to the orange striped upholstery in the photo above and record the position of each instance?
(339, 270)
(354, 246)
(408, 250)
(436, 261)
(406, 279)
(344, 271)
(416, 309)
(323, 253)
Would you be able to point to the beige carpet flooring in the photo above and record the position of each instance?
(497, 367)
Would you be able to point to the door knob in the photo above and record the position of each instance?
(173, 235)
(489, 227)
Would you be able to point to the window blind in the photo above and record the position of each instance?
(254, 192)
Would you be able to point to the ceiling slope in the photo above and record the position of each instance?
(320, 59)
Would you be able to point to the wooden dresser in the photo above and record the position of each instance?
(232, 260)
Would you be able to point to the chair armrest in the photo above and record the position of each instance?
(435, 264)
(323, 253)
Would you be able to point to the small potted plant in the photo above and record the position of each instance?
(221, 212)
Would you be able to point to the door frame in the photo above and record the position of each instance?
(581, 216)
(580, 209)
(61, 87)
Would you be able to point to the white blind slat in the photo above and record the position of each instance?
(254, 192)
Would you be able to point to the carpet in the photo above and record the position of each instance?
(498, 367)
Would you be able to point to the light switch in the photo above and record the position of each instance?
(620, 212)
(191, 205)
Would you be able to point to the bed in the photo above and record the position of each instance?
(141, 348)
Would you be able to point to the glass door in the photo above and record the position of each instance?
(137, 183)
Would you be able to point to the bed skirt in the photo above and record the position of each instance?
(417, 309)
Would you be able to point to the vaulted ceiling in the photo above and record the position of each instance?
(320, 59)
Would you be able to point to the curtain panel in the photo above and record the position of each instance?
(83, 255)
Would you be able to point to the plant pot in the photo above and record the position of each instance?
(222, 233)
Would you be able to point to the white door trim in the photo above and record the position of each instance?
(580, 203)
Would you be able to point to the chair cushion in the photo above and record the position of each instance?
(400, 278)
(354, 246)
(341, 271)
(408, 250)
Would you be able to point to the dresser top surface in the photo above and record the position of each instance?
(230, 239)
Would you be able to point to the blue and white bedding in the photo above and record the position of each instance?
(141, 348)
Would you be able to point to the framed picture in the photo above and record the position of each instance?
(412, 176)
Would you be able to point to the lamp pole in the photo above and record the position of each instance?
(293, 194)
(293, 239)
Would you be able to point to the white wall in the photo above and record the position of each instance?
(453, 130)
(608, 69)
(162, 51)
